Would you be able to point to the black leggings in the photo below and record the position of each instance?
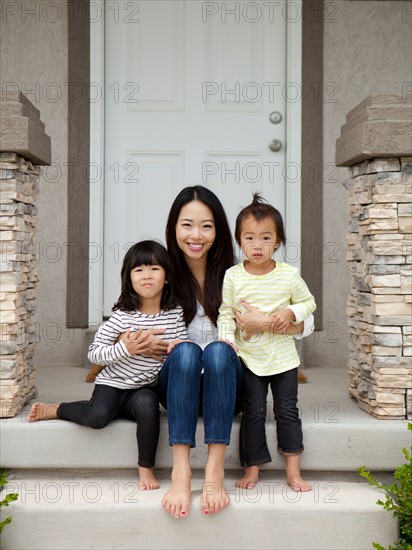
(107, 403)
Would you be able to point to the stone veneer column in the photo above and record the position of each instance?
(376, 142)
(24, 146)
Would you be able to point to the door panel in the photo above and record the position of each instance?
(189, 90)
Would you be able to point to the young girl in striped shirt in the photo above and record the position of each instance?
(126, 386)
(280, 299)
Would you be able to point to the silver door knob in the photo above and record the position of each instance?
(275, 117)
(275, 145)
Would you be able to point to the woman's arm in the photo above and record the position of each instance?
(145, 342)
(180, 334)
(255, 322)
(111, 344)
(226, 323)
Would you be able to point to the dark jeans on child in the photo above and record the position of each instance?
(107, 403)
(252, 439)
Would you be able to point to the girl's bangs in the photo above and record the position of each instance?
(145, 257)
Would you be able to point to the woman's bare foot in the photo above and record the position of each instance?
(177, 499)
(294, 479)
(249, 479)
(147, 480)
(214, 496)
(43, 411)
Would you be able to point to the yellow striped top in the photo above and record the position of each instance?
(266, 353)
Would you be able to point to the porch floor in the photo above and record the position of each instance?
(338, 436)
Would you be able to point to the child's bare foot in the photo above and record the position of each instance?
(299, 485)
(147, 480)
(177, 499)
(294, 479)
(43, 411)
(249, 479)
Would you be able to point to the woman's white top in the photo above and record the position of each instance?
(201, 330)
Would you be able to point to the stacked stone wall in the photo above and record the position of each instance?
(379, 306)
(19, 182)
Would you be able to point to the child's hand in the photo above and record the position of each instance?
(253, 321)
(173, 344)
(145, 342)
(281, 320)
(231, 344)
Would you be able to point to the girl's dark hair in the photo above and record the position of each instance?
(260, 210)
(146, 253)
(219, 257)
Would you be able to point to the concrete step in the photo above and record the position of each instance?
(60, 444)
(337, 434)
(104, 509)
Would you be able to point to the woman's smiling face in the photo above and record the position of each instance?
(195, 230)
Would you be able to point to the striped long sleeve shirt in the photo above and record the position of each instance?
(266, 353)
(123, 370)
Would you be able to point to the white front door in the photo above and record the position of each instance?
(189, 90)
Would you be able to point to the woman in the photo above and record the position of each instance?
(204, 374)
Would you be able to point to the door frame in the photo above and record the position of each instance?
(97, 133)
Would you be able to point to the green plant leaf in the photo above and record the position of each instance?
(10, 497)
(398, 499)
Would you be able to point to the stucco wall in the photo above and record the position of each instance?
(33, 45)
(366, 50)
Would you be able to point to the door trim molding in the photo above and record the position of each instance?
(294, 137)
(97, 148)
(96, 220)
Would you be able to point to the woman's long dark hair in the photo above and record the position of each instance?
(219, 257)
(146, 253)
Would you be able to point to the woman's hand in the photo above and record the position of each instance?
(295, 329)
(145, 342)
(253, 321)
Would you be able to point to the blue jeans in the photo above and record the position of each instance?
(184, 391)
(252, 437)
